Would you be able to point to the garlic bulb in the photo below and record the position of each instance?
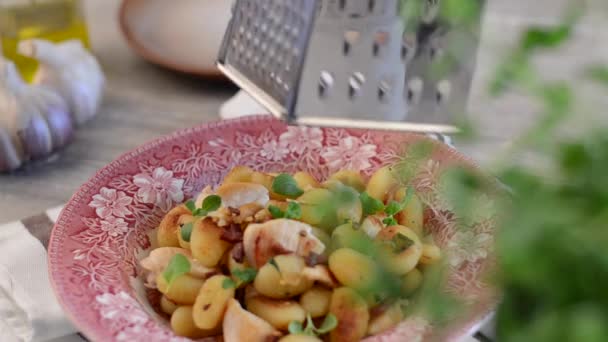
(34, 121)
(71, 70)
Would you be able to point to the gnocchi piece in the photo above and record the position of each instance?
(279, 313)
(351, 178)
(240, 325)
(283, 278)
(345, 236)
(345, 202)
(323, 237)
(316, 210)
(211, 302)
(316, 301)
(352, 313)
(352, 269)
(411, 281)
(184, 219)
(183, 290)
(238, 174)
(183, 324)
(206, 243)
(300, 338)
(431, 254)
(381, 183)
(385, 320)
(167, 306)
(305, 181)
(166, 236)
(412, 216)
(403, 252)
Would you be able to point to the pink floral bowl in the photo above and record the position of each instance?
(104, 229)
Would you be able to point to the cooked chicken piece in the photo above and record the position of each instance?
(159, 258)
(237, 194)
(372, 225)
(320, 274)
(263, 241)
(241, 325)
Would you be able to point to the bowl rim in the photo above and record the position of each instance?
(482, 315)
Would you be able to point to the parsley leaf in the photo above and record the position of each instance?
(294, 211)
(228, 283)
(392, 208)
(390, 221)
(245, 275)
(295, 328)
(329, 324)
(191, 206)
(186, 231)
(284, 184)
(276, 212)
(370, 205)
(210, 203)
(178, 266)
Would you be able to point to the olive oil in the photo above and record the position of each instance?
(54, 20)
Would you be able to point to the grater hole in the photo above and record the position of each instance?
(408, 47)
(380, 41)
(414, 90)
(342, 5)
(326, 82)
(350, 39)
(355, 85)
(371, 6)
(443, 91)
(385, 89)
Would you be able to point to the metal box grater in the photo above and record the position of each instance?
(350, 63)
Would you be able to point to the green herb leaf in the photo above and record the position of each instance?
(310, 326)
(276, 212)
(274, 263)
(400, 243)
(392, 208)
(178, 266)
(284, 184)
(211, 203)
(245, 275)
(329, 324)
(228, 283)
(294, 211)
(370, 205)
(295, 328)
(390, 221)
(186, 231)
(191, 206)
(409, 194)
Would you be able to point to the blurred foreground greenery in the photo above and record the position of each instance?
(552, 238)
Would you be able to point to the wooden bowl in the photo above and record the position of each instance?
(182, 35)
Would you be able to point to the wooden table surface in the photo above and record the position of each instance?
(143, 102)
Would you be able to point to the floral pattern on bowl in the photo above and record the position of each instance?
(105, 227)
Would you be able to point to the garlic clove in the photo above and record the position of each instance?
(36, 138)
(10, 158)
(71, 70)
